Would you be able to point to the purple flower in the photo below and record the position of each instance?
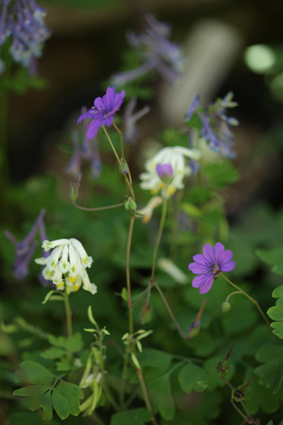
(155, 52)
(24, 250)
(210, 264)
(23, 20)
(130, 119)
(165, 172)
(74, 165)
(102, 113)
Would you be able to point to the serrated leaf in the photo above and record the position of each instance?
(60, 404)
(53, 353)
(139, 416)
(72, 394)
(271, 372)
(192, 377)
(34, 373)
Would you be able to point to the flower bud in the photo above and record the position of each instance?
(123, 169)
(225, 307)
(222, 367)
(146, 313)
(130, 205)
(165, 172)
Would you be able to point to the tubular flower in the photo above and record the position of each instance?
(66, 265)
(102, 113)
(23, 20)
(209, 265)
(170, 156)
(147, 211)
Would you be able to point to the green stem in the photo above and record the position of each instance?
(174, 227)
(131, 323)
(68, 314)
(145, 394)
(140, 298)
(112, 146)
(124, 377)
(239, 411)
(255, 303)
(97, 209)
(121, 140)
(161, 226)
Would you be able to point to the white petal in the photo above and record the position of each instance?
(75, 262)
(47, 245)
(41, 261)
(87, 286)
(64, 263)
(55, 256)
(82, 252)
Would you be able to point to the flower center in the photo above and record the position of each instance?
(216, 270)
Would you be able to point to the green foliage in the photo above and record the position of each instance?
(273, 258)
(131, 417)
(271, 372)
(193, 377)
(276, 312)
(221, 174)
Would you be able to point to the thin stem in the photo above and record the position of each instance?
(170, 311)
(97, 209)
(140, 298)
(255, 303)
(68, 314)
(239, 411)
(121, 140)
(161, 226)
(124, 376)
(145, 394)
(131, 323)
(112, 146)
(232, 293)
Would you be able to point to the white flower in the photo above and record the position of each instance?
(147, 211)
(67, 264)
(174, 156)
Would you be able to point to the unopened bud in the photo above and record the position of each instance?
(225, 307)
(146, 313)
(221, 367)
(194, 329)
(130, 205)
(123, 169)
(75, 189)
(239, 393)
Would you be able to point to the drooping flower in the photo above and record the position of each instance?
(24, 250)
(155, 51)
(67, 264)
(102, 113)
(210, 264)
(174, 156)
(215, 124)
(130, 119)
(23, 20)
(147, 211)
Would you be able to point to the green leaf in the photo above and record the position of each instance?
(124, 294)
(64, 364)
(220, 175)
(72, 394)
(53, 353)
(273, 258)
(271, 372)
(25, 418)
(60, 404)
(75, 343)
(161, 395)
(199, 195)
(139, 416)
(34, 373)
(31, 390)
(192, 377)
(59, 341)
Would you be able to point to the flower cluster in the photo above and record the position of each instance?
(209, 265)
(215, 124)
(172, 161)
(102, 113)
(155, 51)
(67, 264)
(24, 250)
(24, 21)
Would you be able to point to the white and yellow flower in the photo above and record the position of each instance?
(170, 155)
(67, 264)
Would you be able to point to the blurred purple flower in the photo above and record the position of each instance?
(155, 51)
(216, 125)
(74, 165)
(130, 119)
(102, 113)
(24, 250)
(165, 172)
(24, 21)
(209, 265)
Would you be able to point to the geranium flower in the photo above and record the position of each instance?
(102, 113)
(66, 265)
(209, 265)
(170, 156)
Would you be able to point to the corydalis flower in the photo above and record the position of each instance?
(102, 113)
(66, 265)
(24, 250)
(216, 125)
(209, 265)
(24, 21)
(155, 51)
(165, 172)
(170, 156)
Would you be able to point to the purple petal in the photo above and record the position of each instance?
(198, 268)
(109, 98)
(118, 100)
(227, 267)
(226, 257)
(199, 258)
(88, 114)
(109, 120)
(206, 285)
(98, 103)
(193, 106)
(93, 128)
(199, 281)
(218, 251)
(208, 252)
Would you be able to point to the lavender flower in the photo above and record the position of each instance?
(24, 250)
(215, 124)
(209, 265)
(74, 165)
(23, 20)
(102, 113)
(164, 172)
(130, 119)
(155, 51)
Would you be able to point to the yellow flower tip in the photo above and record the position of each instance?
(76, 286)
(171, 190)
(73, 279)
(146, 218)
(60, 284)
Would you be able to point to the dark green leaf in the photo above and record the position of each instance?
(192, 377)
(220, 175)
(53, 353)
(139, 416)
(271, 372)
(64, 364)
(34, 373)
(273, 258)
(25, 418)
(60, 404)
(72, 394)
(75, 343)
(31, 390)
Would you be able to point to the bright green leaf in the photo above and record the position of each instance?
(72, 394)
(60, 404)
(34, 373)
(53, 353)
(139, 416)
(75, 343)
